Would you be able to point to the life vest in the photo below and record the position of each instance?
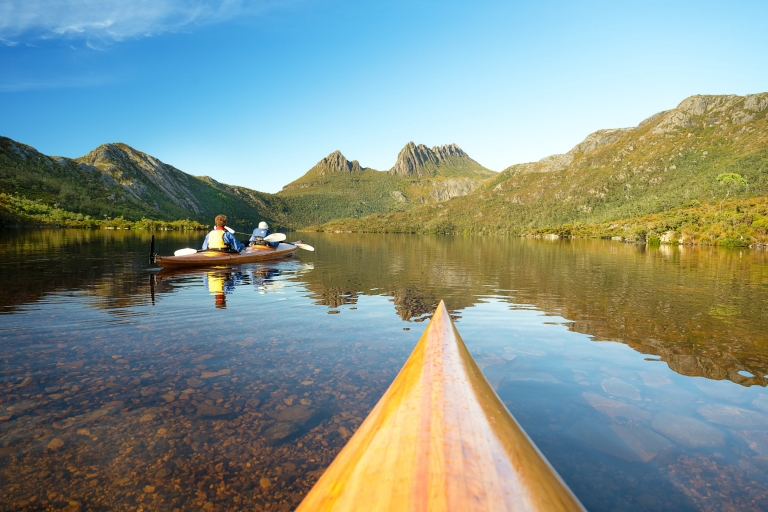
(258, 236)
(216, 239)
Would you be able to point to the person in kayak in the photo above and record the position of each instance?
(221, 239)
(259, 234)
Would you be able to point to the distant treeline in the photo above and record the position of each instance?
(18, 211)
(739, 223)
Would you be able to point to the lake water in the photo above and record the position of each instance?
(639, 372)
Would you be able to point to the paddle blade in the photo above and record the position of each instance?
(152, 251)
(306, 247)
(232, 230)
(185, 252)
(275, 237)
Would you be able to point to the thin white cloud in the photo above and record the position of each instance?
(115, 20)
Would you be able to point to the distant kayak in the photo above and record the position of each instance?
(214, 257)
(440, 439)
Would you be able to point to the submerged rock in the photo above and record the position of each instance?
(603, 438)
(194, 382)
(214, 411)
(615, 409)
(721, 389)
(296, 414)
(219, 373)
(55, 444)
(756, 439)
(734, 416)
(687, 431)
(531, 376)
(644, 442)
(280, 431)
(617, 387)
(654, 380)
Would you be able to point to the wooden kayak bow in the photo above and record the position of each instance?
(440, 439)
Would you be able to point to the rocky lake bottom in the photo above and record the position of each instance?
(125, 388)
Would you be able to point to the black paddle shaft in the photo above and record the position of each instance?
(152, 251)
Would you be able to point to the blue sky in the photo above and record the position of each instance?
(255, 93)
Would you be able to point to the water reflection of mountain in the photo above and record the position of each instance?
(702, 311)
(110, 267)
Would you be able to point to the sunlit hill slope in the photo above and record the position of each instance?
(684, 157)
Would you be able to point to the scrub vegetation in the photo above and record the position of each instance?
(742, 223)
(19, 211)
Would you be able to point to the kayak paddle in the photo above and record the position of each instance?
(275, 237)
(185, 252)
(306, 247)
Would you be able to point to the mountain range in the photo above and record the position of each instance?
(673, 159)
(118, 180)
(704, 151)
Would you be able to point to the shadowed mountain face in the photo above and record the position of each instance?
(669, 160)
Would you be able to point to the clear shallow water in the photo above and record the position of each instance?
(639, 373)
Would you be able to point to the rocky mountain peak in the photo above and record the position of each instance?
(708, 110)
(336, 162)
(138, 172)
(448, 150)
(419, 160)
(113, 157)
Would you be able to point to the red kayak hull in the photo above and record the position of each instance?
(210, 258)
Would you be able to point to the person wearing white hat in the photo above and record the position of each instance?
(259, 234)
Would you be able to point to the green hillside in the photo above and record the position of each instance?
(338, 188)
(117, 181)
(675, 158)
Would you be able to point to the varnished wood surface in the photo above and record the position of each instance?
(440, 439)
(207, 258)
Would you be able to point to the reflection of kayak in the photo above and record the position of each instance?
(440, 439)
(213, 257)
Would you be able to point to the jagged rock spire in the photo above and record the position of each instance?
(420, 160)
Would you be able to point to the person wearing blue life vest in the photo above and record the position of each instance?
(259, 234)
(221, 239)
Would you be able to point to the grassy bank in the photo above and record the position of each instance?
(739, 223)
